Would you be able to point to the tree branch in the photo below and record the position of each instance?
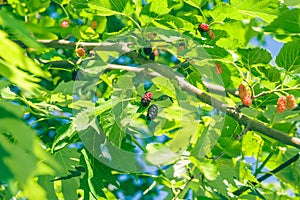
(103, 46)
(221, 106)
(244, 120)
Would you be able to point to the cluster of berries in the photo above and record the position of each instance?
(284, 103)
(204, 28)
(244, 95)
(153, 109)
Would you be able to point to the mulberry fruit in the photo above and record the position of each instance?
(211, 34)
(180, 48)
(94, 24)
(146, 98)
(203, 27)
(281, 104)
(218, 68)
(152, 112)
(65, 24)
(80, 52)
(290, 102)
(156, 52)
(246, 100)
(152, 56)
(243, 91)
(147, 50)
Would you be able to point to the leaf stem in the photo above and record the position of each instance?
(138, 144)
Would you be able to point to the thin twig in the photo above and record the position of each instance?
(239, 137)
(271, 173)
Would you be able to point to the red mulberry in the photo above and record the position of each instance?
(94, 24)
(80, 52)
(243, 91)
(281, 104)
(203, 27)
(65, 24)
(246, 100)
(218, 68)
(211, 34)
(146, 98)
(290, 102)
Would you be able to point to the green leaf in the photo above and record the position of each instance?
(208, 168)
(229, 43)
(254, 56)
(165, 85)
(154, 10)
(292, 2)
(79, 4)
(63, 133)
(18, 29)
(35, 6)
(18, 68)
(271, 73)
(251, 144)
(289, 57)
(46, 182)
(69, 159)
(62, 2)
(194, 3)
(102, 11)
(286, 23)
(218, 53)
(223, 11)
(267, 10)
(231, 147)
(110, 7)
(236, 30)
(206, 141)
(96, 173)
(231, 127)
(22, 156)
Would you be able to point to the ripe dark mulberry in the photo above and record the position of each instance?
(152, 112)
(146, 98)
(147, 50)
(152, 56)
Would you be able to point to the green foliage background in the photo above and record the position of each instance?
(40, 146)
